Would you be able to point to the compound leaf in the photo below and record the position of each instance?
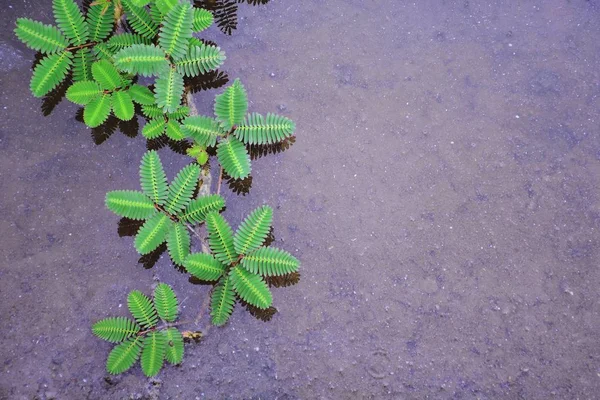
(231, 105)
(139, 19)
(222, 301)
(124, 355)
(37, 36)
(143, 59)
(204, 130)
(115, 329)
(100, 20)
(106, 75)
(202, 19)
(122, 105)
(83, 92)
(182, 188)
(196, 211)
(174, 131)
(70, 20)
(123, 40)
(153, 353)
(130, 204)
(165, 302)
(269, 261)
(251, 287)
(152, 233)
(141, 94)
(178, 243)
(176, 30)
(200, 60)
(174, 345)
(254, 230)
(164, 6)
(142, 309)
(168, 90)
(234, 158)
(97, 111)
(153, 178)
(82, 65)
(154, 128)
(257, 130)
(50, 72)
(220, 238)
(204, 266)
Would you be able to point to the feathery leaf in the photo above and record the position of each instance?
(97, 111)
(154, 128)
(82, 65)
(100, 20)
(251, 287)
(168, 90)
(164, 6)
(153, 353)
(124, 355)
(204, 266)
(122, 105)
(70, 20)
(174, 131)
(123, 40)
(222, 301)
(139, 19)
(202, 19)
(106, 75)
(165, 302)
(143, 59)
(37, 36)
(257, 130)
(220, 238)
(50, 72)
(196, 211)
(142, 309)
(231, 105)
(178, 243)
(174, 347)
(83, 92)
(115, 329)
(141, 94)
(130, 204)
(182, 188)
(200, 60)
(254, 230)
(152, 233)
(102, 52)
(204, 130)
(270, 261)
(153, 178)
(176, 30)
(234, 158)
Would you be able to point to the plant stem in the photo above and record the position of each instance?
(220, 179)
(81, 46)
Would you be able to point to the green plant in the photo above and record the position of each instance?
(151, 68)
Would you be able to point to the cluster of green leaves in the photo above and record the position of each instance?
(232, 130)
(142, 337)
(166, 208)
(239, 262)
(105, 67)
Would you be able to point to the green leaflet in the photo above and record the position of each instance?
(182, 188)
(50, 72)
(202, 19)
(130, 204)
(174, 346)
(153, 178)
(37, 36)
(257, 130)
(83, 92)
(164, 6)
(154, 128)
(222, 301)
(100, 20)
(199, 60)
(153, 353)
(102, 52)
(254, 230)
(123, 356)
(178, 243)
(168, 90)
(139, 19)
(70, 20)
(234, 158)
(122, 105)
(269, 261)
(152, 233)
(174, 131)
(220, 238)
(141, 94)
(82, 65)
(143, 59)
(97, 111)
(231, 105)
(165, 302)
(204, 130)
(123, 40)
(142, 309)
(115, 329)
(106, 75)
(204, 266)
(198, 208)
(251, 287)
(176, 30)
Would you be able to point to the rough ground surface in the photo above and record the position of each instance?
(443, 196)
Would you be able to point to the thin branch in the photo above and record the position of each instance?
(220, 180)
